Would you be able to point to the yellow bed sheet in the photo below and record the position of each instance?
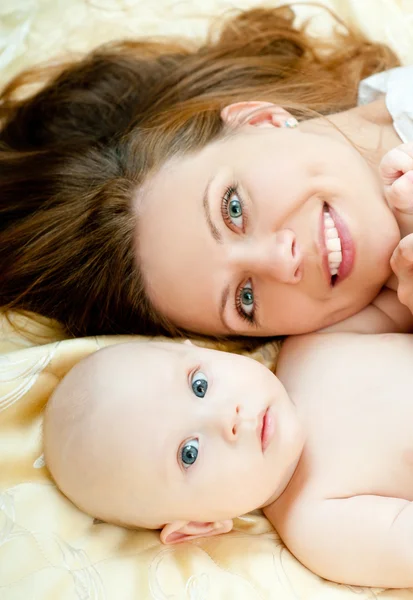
(48, 549)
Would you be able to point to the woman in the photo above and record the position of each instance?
(157, 188)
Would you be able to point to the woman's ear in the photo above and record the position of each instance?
(258, 114)
(183, 531)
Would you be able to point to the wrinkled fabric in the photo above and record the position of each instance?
(397, 87)
(33, 31)
(49, 550)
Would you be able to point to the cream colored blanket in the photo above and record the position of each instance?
(48, 549)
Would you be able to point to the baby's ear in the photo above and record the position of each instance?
(183, 531)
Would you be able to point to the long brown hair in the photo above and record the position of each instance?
(73, 154)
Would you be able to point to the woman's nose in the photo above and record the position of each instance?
(278, 256)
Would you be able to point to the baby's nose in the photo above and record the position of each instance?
(233, 424)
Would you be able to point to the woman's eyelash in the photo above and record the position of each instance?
(231, 190)
(250, 318)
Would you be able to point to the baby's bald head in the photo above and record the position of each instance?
(159, 433)
(97, 431)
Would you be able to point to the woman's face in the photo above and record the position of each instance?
(270, 231)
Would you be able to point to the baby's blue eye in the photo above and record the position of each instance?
(199, 384)
(189, 453)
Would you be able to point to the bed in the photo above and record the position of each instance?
(49, 550)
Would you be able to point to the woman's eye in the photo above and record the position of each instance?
(235, 212)
(199, 384)
(233, 208)
(246, 299)
(189, 453)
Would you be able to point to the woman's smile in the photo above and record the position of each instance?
(347, 246)
(337, 246)
(271, 248)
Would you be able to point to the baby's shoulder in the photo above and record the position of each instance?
(292, 514)
(310, 353)
(313, 347)
(309, 359)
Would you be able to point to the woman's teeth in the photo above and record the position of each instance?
(333, 244)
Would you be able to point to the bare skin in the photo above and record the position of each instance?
(347, 513)
(397, 174)
(193, 438)
(249, 257)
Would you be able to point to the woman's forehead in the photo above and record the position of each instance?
(182, 168)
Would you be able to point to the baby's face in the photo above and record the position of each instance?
(196, 434)
(153, 433)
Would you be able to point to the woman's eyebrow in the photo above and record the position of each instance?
(205, 203)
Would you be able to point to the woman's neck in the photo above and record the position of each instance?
(370, 128)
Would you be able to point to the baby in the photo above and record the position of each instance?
(184, 439)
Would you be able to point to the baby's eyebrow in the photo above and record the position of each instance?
(207, 212)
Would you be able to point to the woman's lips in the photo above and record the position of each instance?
(324, 253)
(266, 428)
(347, 248)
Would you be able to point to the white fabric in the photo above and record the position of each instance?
(397, 85)
(33, 31)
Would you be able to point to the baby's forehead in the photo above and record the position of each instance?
(140, 353)
(139, 368)
(139, 398)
